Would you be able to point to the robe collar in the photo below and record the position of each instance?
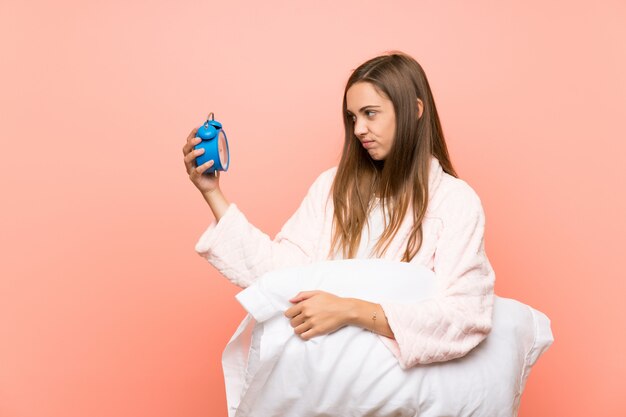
(435, 175)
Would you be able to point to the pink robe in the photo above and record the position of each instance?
(437, 329)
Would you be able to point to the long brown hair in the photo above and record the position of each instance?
(401, 180)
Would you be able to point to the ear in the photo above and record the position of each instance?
(420, 108)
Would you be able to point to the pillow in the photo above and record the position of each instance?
(269, 371)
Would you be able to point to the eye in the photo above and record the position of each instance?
(369, 113)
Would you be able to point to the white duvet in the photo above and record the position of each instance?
(269, 371)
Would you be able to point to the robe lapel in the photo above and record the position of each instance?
(396, 249)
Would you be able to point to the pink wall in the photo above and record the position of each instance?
(105, 308)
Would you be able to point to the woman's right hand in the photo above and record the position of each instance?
(204, 183)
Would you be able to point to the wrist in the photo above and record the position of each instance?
(217, 202)
(210, 193)
(357, 311)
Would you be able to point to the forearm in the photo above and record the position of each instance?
(217, 202)
(369, 316)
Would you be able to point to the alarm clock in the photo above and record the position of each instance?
(215, 146)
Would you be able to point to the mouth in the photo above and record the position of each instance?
(367, 143)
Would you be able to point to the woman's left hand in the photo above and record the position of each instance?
(317, 313)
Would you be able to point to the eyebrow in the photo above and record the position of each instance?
(363, 108)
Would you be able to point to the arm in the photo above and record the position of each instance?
(370, 316)
(242, 252)
(317, 313)
(458, 318)
(217, 202)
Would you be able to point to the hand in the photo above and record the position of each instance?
(204, 183)
(317, 313)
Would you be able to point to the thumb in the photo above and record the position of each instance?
(302, 295)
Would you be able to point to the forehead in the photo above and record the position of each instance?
(363, 94)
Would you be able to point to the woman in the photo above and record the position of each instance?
(394, 195)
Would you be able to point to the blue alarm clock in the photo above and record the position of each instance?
(215, 146)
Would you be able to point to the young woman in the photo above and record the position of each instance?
(394, 195)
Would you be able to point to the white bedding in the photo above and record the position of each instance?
(269, 371)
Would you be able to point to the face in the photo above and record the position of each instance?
(373, 117)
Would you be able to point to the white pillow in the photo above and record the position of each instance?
(269, 371)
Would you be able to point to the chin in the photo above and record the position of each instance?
(377, 157)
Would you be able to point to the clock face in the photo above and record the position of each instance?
(222, 148)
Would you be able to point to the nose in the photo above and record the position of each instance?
(360, 127)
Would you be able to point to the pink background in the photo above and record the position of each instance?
(105, 308)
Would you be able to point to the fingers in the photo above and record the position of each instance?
(190, 156)
(297, 321)
(192, 141)
(293, 311)
(303, 295)
(301, 322)
(193, 155)
(192, 133)
(308, 334)
(200, 169)
(302, 328)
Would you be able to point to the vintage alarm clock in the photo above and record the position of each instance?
(215, 146)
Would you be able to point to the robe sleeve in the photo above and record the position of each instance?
(455, 320)
(242, 252)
